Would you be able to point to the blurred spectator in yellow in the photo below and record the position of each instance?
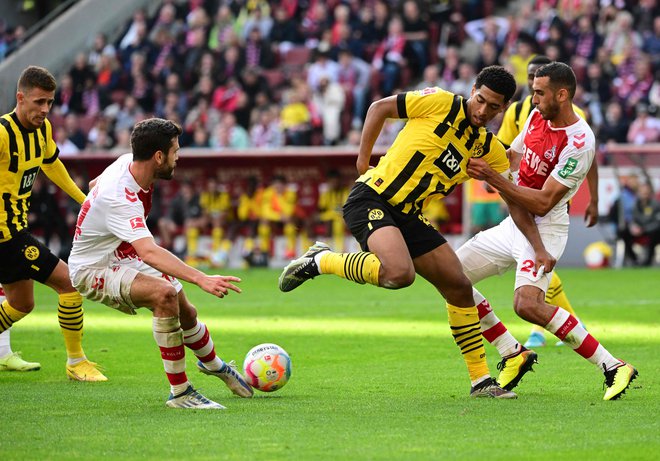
(277, 208)
(216, 213)
(332, 195)
(646, 222)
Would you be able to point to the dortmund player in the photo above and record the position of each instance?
(27, 146)
(383, 210)
(514, 119)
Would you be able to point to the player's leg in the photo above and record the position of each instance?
(160, 296)
(197, 338)
(556, 296)
(529, 303)
(442, 268)
(18, 302)
(10, 360)
(70, 317)
(490, 253)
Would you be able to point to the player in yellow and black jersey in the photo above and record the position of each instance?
(383, 211)
(26, 147)
(512, 124)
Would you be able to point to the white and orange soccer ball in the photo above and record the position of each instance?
(267, 367)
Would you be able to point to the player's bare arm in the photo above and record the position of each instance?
(537, 202)
(164, 261)
(378, 112)
(591, 213)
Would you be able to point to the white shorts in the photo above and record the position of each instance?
(112, 285)
(503, 247)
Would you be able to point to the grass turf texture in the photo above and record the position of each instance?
(376, 375)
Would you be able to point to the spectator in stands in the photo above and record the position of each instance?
(615, 125)
(166, 21)
(295, 118)
(355, 77)
(139, 21)
(74, 133)
(518, 61)
(216, 214)
(91, 99)
(449, 62)
(315, 22)
(265, 130)
(388, 58)
(621, 216)
(228, 134)
(222, 31)
(80, 73)
(64, 144)
(466, 78)
(100, 137)
(633, 86)
(183, 214)
(416, 33)
(489, 56)
(332, 195)
(646, 222)
(101, 47)
(200, 137)
(277, 211)
(140, 44)
(651, 44)
(258, 17)
(254, 83)
(329, 100)
(645, 128)
(622, 38)
(248, 214)
(66, 99)
(285, 33)
(322, 66)
(257, 51)
(587, 41)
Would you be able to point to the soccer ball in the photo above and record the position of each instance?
(267, 367)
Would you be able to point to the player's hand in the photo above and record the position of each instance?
(591, 215)
(219, 285)
(478, 168)
(544, 263)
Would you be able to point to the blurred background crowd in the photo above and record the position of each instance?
(246, 74)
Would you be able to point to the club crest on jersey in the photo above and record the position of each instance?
(137, 223)
(478, 150)
(376, 214)
(31, 252)
(550, 153)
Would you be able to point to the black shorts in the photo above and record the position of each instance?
(24, 258)
(365, 211)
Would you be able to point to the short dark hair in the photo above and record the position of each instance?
(498, 79)
(36, 77)
(152, 135)
(561, 76)
(539, 60)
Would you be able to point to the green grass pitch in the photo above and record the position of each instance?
(376, 375)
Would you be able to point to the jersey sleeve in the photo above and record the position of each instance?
(574, 163)
(52, 151)
(508, 131)
(423, 103)
(497, 159)
(126, 220)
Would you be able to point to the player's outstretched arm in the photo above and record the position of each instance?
(378, 112)
(57, 173)
(161, 259)
(538, 202)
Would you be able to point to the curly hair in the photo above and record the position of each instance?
(498, 79)
(152, 135)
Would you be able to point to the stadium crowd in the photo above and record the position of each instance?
(267, 74)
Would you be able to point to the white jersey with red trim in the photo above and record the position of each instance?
(564, 153)
(112, 216)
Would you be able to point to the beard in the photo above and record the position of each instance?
(166, 172)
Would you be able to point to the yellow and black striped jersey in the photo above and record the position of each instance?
(22, 152)
(515, 117)
(431, 152)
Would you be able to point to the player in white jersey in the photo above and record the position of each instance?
(114, 260)
(555, 149)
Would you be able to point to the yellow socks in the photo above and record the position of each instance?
(192, 235)
(9, 316)
(362, 267)
(70, 316)
(464, 324)
(216, 238)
